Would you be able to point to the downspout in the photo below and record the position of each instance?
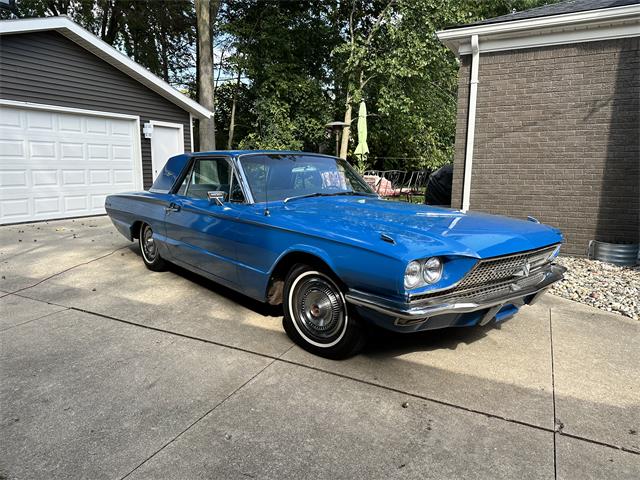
(191, 131)
(471, 122)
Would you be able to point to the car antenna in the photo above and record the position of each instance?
(266, 187)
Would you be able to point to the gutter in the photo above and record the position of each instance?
(615, 22)
(471, 122)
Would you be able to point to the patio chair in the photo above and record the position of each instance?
(417, 183)
(373, 179)
(391, 184)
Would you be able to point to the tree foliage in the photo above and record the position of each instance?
(306, 62)
(157, 34)
(284, 69)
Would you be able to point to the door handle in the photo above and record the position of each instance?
(172, 208)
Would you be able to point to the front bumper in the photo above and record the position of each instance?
(405, 313)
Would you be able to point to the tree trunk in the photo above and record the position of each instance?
(346, 131)
(164, 55)
(112, 26)
(105, 18)
(207, 127)
(232, 122)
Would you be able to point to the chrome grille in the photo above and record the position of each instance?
(481, 293)
(494, 276)
(502, 268)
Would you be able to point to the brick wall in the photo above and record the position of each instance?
(557, 137)
(464, 76)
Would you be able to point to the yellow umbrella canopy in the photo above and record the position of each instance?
(362, 149)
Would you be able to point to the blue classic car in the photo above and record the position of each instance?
(305, 231)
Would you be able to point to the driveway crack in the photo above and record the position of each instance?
(278, 358)
(65, 271)
(34, 319)
(203, 416)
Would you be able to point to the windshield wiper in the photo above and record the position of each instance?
(334, 194)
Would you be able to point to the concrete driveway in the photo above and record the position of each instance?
(108, 370)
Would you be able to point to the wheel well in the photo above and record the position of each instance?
(135, 229)
(275, 286)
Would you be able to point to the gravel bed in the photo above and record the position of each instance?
(602, 285)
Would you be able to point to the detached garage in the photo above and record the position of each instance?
(78, 121)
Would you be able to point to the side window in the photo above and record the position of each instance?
(236, 194)
(183, 187)
(207, 174)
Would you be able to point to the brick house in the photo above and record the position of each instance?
(548, 119)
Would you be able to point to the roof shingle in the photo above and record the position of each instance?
(568, 6)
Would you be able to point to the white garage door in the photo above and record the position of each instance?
(57, 164)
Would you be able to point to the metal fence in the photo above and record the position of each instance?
(399, 184)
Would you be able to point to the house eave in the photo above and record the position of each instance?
(106, 52)
(592, 25)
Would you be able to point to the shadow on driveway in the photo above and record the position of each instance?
(382, 343)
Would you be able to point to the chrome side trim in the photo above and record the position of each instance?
(439, 306)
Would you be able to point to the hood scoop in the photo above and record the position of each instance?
(386, 238)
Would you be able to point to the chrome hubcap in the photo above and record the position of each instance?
(148, 245)
(319, 310)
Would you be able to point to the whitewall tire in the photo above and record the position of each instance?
(316, 315)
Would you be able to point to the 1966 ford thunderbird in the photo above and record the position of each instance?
(305, 231)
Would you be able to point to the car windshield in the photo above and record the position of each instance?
(274, 177)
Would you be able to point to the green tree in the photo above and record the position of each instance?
(284, 48)
(158, 35)
(285, 69)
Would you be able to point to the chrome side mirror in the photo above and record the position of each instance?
(216, 197)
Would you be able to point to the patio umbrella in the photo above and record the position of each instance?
(362, 149)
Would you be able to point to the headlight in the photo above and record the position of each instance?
(422, 272)
(432, 270)
(412, 275)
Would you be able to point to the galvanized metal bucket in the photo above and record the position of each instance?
(623, 254)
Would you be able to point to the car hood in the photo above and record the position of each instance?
(411, 231)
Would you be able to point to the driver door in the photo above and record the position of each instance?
(201, 233)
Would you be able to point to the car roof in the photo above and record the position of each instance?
(237, 153)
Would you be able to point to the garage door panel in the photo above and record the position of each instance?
(40, 149)
(13, 178)
(72, 151)
(11, 119)
(10, 147)
(122, 177)
(14, 208)
(39, 120)
(97, 202)
(44, 178)
(76, 203)
(99, 177)
(46, 205)
(74, 177)
(121, 152)
(97, 125)
(120, 128)
(56, 165)
(70, 123)
(98, 151)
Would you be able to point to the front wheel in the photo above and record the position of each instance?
(149, 249)
(316, 315)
